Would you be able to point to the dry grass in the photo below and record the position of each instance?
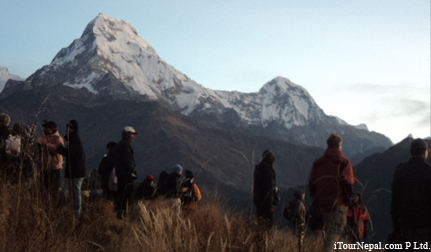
(44, 224)
(32, 220)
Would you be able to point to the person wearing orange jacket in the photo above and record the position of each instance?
(50, 162)
(357, 218)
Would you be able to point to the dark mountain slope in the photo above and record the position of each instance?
(222, 157)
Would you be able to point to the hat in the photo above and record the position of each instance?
(418, 146)
(73, 124)
(111, 145)
(130, 129)
(266, 153)
(177, 169)
(150, 177)
(50, 124)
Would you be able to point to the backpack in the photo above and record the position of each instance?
(198, 192)
(12, 145)
(192, 194)
(289, 211)
(161, 184)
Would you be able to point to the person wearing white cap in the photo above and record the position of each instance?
(125, 169)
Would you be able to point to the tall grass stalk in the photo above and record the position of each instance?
(50, 225)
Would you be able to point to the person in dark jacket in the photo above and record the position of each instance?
(191, 192)
(125, 169)
(4, 132)
(265, 192)
(161, 184)
(147, 190)
(4, 125)
(411, 197)
(76, 164)
(295, 212)
(105, 169)
(173, 184)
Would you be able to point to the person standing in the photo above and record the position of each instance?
(76, 164)
(105, 169)
(4, 134)
(331, 186)
(125, 169)
(265, 192)
(295, 212)
(4, 130)
(411, 197)
(50, 162)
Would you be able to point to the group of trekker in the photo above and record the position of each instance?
(41, 162)
(118, 174)
(336, 209)
(117, 169)
(337, 212)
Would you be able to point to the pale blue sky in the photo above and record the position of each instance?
(363, 61)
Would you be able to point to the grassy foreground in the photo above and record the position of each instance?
(30, 222)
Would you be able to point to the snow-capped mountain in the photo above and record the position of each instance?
(110, 53)
(5, 76)
(111, 59)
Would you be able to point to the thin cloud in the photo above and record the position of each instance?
(408, 107)
(425, 122)
(401, 108)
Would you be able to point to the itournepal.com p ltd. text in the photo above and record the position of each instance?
(380, 246)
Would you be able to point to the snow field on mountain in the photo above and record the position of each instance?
(113, 46)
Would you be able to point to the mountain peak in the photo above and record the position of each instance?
(106, 36)
(284, 83)
(5, 75)
(112, 32)
(295, 105)
(110, 57)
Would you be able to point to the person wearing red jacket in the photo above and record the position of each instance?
(331, 186)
